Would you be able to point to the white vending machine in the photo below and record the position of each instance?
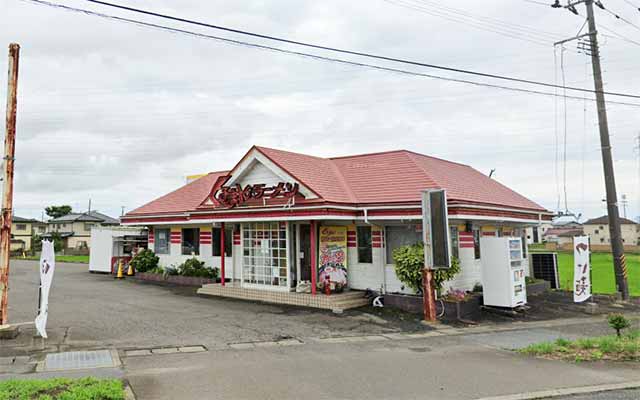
(503, 271)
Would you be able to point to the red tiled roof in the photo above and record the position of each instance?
(185, 198)
(378, 178)
(320, 175)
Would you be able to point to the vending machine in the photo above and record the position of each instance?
(503, 271)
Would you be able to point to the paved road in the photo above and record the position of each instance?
(613, 395)
(88, 310)
(94, 311)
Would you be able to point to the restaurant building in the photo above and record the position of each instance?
(278, 218)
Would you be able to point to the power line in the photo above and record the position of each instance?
(327, 48)
(538, 2)
(475, 22)
(621, 18)
(331, 59)
(629, 2)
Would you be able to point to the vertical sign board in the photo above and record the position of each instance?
(333, 255)
(435, 229)
(47, 267)
(581, 269)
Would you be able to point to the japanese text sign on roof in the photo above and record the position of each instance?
(232, 196)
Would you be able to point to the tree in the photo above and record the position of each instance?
(58, 211)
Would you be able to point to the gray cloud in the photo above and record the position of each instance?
(120, 113)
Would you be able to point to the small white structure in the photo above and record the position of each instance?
(108, 242)
(503, 272)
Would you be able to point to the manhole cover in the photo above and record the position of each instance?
(79, 360)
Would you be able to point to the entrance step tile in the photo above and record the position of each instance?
(137, 353)
(165, 350)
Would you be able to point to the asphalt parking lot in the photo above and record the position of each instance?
(89, 310)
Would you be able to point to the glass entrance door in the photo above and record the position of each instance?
(264, 255)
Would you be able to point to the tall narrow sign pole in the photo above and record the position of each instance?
(7, 194)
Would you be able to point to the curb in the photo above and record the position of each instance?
(546, 394)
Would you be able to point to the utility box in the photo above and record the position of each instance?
(109, 243)
(503, 272)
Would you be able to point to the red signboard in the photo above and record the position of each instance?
(232, 196)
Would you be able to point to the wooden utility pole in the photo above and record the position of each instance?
(7, 194)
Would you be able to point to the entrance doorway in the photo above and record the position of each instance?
(304, 252)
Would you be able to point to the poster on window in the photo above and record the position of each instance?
(581, 267)
(333, 257)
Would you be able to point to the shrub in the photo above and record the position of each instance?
(618, 322)
(194, 267)
(409, 263)
(145, 260)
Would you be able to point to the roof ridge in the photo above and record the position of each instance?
(343, 180)
(437, 158)
(424, 170)
(291, 152)
(368, 154)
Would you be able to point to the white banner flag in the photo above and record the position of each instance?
(47, 267)
(581, 268)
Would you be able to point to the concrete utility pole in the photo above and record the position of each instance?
(7, 195)
(619, 262)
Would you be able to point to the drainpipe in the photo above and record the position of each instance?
(366, 215)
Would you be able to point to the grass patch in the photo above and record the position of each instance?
(62, 389)
(602, 272)
(60, 258)
(625, 348)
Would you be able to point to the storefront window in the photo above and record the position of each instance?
(264, 259)
(228, 240)
(364, 245)
(454, 241)
(191, 241)
(476, 243)
(161, 241)
(401, 235)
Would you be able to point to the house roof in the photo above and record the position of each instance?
(15, 218)
(93, 216)
(185, 198)
(378, 178)
(564, 232)
(604, 220)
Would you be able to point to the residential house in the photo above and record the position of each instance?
(267, 223)
(598, 230)
(75, 228)
(22, 232)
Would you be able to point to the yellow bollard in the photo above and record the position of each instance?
(119, 276)
(130, 270)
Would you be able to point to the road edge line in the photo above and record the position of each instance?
(546, 394)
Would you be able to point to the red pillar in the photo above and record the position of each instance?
(314, 269)
(222, 255)
(428, 295)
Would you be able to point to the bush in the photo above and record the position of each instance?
(618, 322)
(145, 261)
(196, 268)
(409, 263)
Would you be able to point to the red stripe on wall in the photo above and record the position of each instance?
(376, 245)
(488, 233)
(466, 245)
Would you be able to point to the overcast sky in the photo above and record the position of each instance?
(120, 114)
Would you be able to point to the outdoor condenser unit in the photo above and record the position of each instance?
(503, 272)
